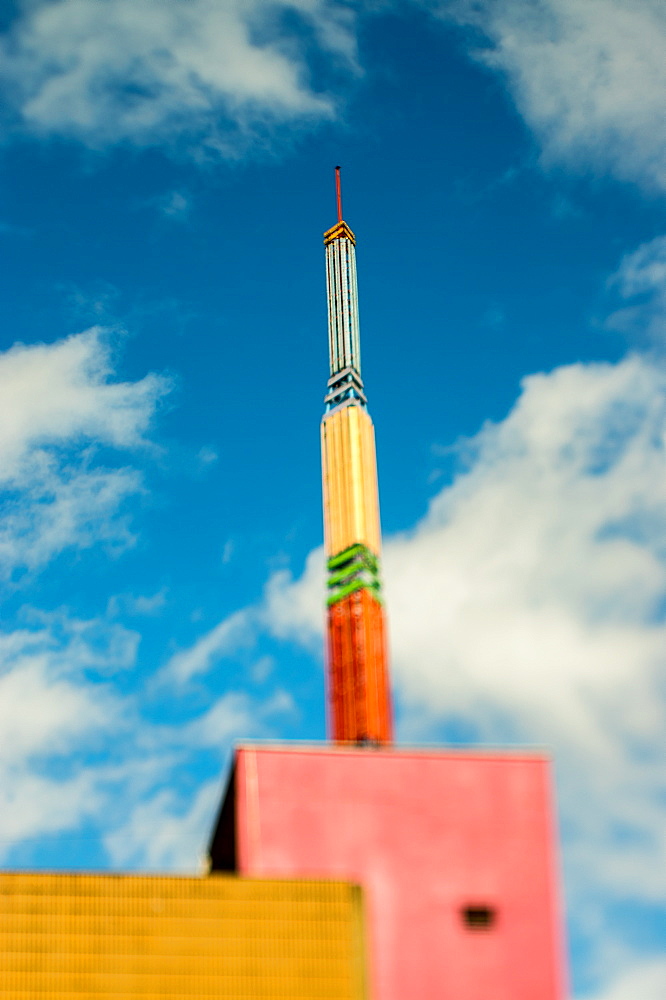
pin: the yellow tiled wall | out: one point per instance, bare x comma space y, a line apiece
74, 937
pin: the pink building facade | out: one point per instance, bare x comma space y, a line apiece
456, 852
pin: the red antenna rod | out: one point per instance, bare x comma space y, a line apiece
338, 193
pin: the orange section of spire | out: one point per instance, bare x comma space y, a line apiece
359, 700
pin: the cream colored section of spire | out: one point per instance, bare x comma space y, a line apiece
349, 467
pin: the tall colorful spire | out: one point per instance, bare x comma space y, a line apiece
358, 684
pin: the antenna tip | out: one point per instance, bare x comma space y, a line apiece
338, 193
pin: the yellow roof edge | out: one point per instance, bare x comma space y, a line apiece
339, 231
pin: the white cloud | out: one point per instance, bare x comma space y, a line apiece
34, 806
86, 753
220, 641
230, 715
588, 76
61, 713
164, 835
41, 668
62, 506
95, 645
176, 205
59, 392
207, 456
59, 405
165, 830
138, 605
145, 70
643, 982
554, 542
293, 608
641, 278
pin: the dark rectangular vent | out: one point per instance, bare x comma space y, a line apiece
478, 918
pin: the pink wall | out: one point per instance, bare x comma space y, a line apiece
426, 834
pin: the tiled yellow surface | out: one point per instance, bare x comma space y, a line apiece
72, 937
351, 505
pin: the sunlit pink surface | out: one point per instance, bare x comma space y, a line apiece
427, 834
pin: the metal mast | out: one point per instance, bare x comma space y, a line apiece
358, 688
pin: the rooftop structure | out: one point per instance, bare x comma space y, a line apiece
455, 850
358, 683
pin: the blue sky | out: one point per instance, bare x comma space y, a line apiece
166, 174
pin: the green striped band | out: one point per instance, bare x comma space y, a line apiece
357, 568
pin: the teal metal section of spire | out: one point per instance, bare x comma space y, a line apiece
345, 384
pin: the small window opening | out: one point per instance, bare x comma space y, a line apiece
478, 918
